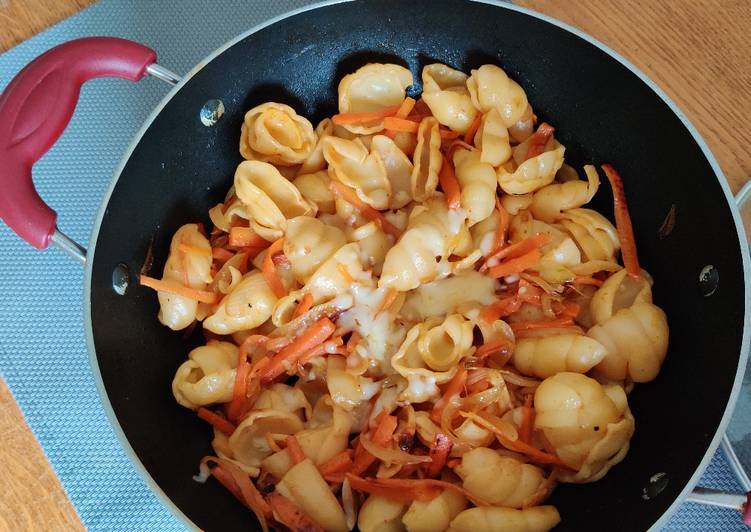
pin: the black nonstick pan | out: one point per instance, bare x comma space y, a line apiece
177, 167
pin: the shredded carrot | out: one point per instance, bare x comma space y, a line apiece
268, 269
491, 347
329, 347
342, 269
501, 308
243, 237
226, 480
529, 293
586, 279
388, 300
570, 309
337, 465
218, 422
241, 384
173, 287
303, 306
453, 462
290, 514
221, 254
347, 194
533, 242
287, 358
541, 324
294, 449
450, 185
406, 107
453, 388
499, 238
422, 110
539, 139
516, 265
195, 250
250, 494
474, 126
409, 489
623, 222
354, 339
369, 116
448, 134
439, 453
385, 429
393, 123
528, 417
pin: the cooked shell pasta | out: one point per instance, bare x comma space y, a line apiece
315, 189
351, 163
398, 170
191, 267
275, 133
478, 184
445, 93
492, 139
494, 519
491, 88
208, 375
380, 514
532, 174
436, 514
549, 202
246, 306
308, 244
269, 198
427, 160
545, 356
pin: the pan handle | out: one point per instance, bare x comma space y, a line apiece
35, 109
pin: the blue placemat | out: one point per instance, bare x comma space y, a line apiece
42, 350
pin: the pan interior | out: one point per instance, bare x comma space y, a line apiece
602, 113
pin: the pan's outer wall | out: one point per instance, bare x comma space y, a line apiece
602, 113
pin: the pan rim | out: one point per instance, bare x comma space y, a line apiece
719, 175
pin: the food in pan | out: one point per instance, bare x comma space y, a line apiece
413, 320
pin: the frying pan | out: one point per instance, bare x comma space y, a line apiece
604, 111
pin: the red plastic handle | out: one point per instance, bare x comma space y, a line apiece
36, 107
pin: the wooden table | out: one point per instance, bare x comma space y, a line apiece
698, 51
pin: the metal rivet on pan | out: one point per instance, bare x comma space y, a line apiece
709, 278
120, 279
654, 487
211, 112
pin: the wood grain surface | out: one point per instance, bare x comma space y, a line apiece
698, 51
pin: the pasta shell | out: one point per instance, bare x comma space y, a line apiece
335, 275
248, 305
192, 268
371, 88
446, 296
619, 291
308, 243
398, 170
315, 189
427, 160
315, 161
588, 425
268, 198
495, 519
329, 435
549, 202
593, 233
207, 377
478, 184
347, 391
443, 345
532, 174
275, 133
500, 480
490, 88
380, 514
515, 203
365, 172
492, 139
444, 90
283, 398
545, 356
248, 442
373, 244
436, 514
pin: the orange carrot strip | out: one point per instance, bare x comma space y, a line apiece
501, 308
570, 309
226, 480
528, 417
173, 287
303, 306
250, 494
448, 134
623, 222
337, 464
520, 248
422, 110
369, 116
347, 194
315, 334
195, 250
294, 449
474, 126
393, 123
290, 514
409, 489
499, 238
453, 388
388, 300
586, 279
354, 339
269, 270
242, 237
221, 254
516, 265
453, 462
385, 429
541, 324
218, 422
450, 185
529, 293
491, 347
242, 374
406, 107
439, 453
329, 347
539, 139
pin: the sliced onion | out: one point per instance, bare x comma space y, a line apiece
348, 504
519, 380
300, 324
391, 456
